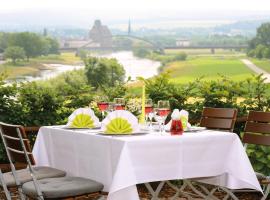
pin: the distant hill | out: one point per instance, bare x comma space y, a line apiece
243, 27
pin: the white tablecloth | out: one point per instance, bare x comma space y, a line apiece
122, 162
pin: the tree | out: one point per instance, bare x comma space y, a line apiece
263, 33
259, 51
3, 41
54, 45
261, 42
32, 43
266, 53
14, 53
103, 72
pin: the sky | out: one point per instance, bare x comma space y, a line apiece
81, 11
133, 6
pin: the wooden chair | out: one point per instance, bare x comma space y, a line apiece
257, 131
212, 118
219, 118
39, 182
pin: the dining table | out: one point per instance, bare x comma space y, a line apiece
120, 162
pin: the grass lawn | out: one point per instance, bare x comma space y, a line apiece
186, 71
263, 63
36, 64
63, 58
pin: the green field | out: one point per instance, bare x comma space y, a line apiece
33, 66
210, 67
206, 52
263, 64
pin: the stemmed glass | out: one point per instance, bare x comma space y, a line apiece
119, 104
103, 106
149, 111
163, 111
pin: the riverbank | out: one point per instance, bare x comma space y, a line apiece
35, 66
50, 66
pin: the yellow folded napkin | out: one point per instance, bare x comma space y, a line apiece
83, 118
120, 122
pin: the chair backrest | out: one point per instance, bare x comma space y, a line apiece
10, 133
18, 150
219, 118
257, 128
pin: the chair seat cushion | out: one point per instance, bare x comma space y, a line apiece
56, 188
260, 176
40, 173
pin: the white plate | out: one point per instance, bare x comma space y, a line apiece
74, 128
195, 129
127, 134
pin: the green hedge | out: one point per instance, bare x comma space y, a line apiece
51, 102
252, 94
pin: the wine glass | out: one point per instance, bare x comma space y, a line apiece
103, 106
158, 119
110, 107
148, 107
163, 111
119, 104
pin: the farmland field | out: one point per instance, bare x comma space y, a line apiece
206, 52
210, 67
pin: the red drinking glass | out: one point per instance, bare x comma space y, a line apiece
163, 112
103, 106
119, 104
119, 107
148, 109
176, 127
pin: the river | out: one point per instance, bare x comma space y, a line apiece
133, 66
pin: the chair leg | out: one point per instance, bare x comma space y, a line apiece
228, 192
152, 192
101, 198
7, 193
266, 192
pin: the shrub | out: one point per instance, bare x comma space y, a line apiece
259, 51
141, 52
53, 101
266, 53
251, 53
180, 56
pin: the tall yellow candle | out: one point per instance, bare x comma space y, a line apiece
142, 117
